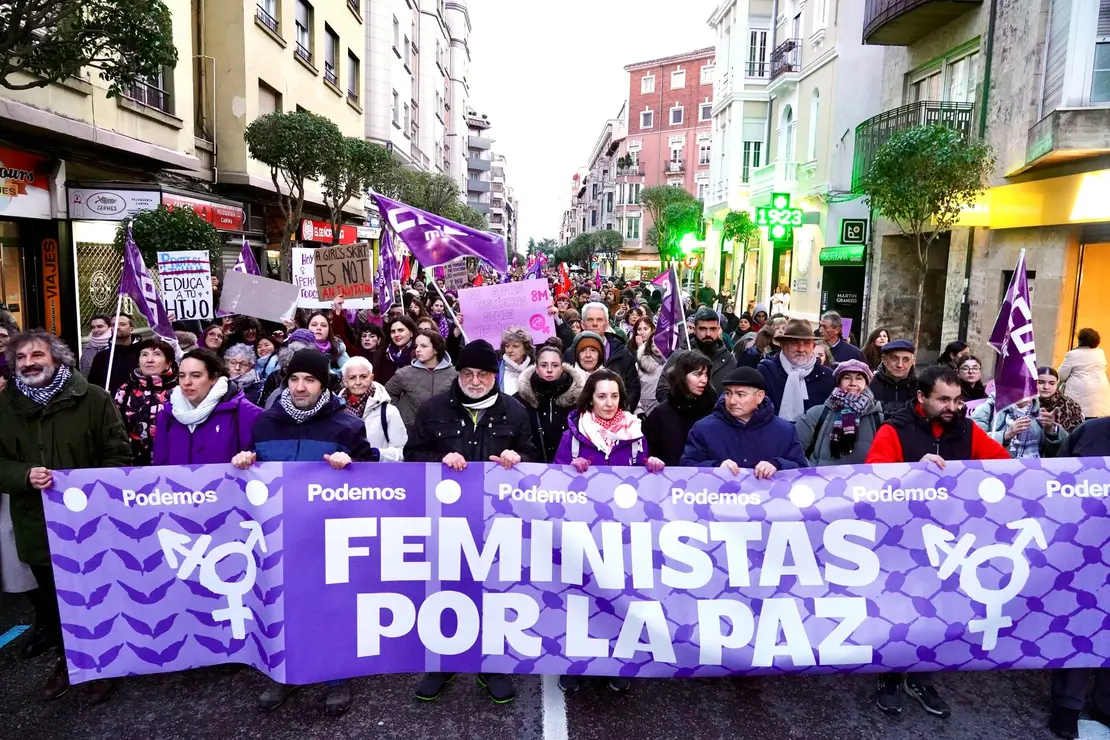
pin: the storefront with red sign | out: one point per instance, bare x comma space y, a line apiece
320, 231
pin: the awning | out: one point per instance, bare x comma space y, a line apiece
852, 254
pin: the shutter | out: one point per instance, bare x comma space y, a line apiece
1103, 19
1056, 54
267, 100
754, 128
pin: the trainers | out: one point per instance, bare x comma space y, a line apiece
570, 684
889, 696
499, 686
620, 684
928, 697
431, 686
338, 699
58, 683
274, 696
1064, 723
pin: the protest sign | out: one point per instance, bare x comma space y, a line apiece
406, 567
343, 272
186, 282
254, 295
455, 275
304, 277
489, 309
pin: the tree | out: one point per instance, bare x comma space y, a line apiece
296, 147
51, 40
467, 215
547, 246
674, 213
350, 171
168, 230
603, 245
921, 179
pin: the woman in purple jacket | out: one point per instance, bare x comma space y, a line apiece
206, 420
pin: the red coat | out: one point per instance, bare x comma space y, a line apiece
887, 448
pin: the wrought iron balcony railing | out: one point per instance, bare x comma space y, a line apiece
876, 131
787, 57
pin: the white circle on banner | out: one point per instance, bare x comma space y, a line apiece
257, 492
992, 490
625, 496
75, 499
802, 495
448, 491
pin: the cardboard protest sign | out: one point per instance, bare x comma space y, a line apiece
186, 282
304, 277
254, 295
489, 309
455, 275
343, 271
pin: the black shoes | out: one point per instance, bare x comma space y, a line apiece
338, 699
58, 683
928, 697
1064, 723
274, 696
432, 685
499, 686
38, 642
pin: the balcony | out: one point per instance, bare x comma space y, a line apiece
265, 18
329, 74
874, 132
419, 157
903, 22
303, 52
676, 166
777, 176
1065, 135
478, 142
150, 96
478, 164
633, 171
477, 186
786, 59
757, 70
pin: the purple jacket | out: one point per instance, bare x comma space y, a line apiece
627, 452
225, 433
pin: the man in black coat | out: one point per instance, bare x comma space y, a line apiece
595, 318
124, 362
895, 382
832, 328
706, 339
472, 422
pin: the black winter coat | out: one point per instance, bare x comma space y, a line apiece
892, 393
444, 425
619, 360
668, 426
724, 362
1089, 439
547, 415
124, 364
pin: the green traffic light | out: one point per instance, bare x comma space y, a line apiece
689, 243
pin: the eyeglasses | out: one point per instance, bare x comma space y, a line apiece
469, 375
236, 364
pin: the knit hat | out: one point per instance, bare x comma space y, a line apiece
853, 366
311, 361
589, 339
595, 296
759, 307
302, 335
478, 355
904, 345
746, 376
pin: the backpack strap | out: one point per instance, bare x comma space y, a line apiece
816, 430
385, 425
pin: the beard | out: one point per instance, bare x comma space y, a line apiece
37, 376
707, 346
476, 393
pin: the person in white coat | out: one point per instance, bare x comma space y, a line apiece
368, 400
1083, 375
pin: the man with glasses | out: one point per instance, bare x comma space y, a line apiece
474, 422
831, 329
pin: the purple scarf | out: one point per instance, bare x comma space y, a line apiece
441, 321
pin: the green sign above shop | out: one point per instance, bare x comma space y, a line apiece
846, 255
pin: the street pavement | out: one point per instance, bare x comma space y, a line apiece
219, 703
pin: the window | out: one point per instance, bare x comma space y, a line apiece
352, 76
814, 123
396, 36
647, 119
632, 227
609, 202
703, 190
703, 153
331, 55
635, 159
634, 193
303, 21
674, 181
952, 79
757, 53
676, 152
676, 115
822, 14
1100, 75
706, 112
408, 120
152, 92
961, 80
267, 13
751, 159
269, 99
593, 218
406, 50
707, 74
620, 193
678, 79
647, 84
396, 109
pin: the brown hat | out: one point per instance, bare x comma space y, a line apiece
797, 329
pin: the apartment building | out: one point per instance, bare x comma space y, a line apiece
575, 217
479, 161
501, 210
1029, 78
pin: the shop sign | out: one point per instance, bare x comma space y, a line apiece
111, 205
851, 254
779, 219
853, 231
24, 185
320, 231
51, 287
222, 216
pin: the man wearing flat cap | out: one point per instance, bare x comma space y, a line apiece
744, 432
796, 382
895, 383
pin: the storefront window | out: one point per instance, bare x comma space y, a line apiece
99, 268
11, 272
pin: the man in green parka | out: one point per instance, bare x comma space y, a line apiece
52, 419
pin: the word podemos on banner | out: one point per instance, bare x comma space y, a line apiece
613, 572
491, 308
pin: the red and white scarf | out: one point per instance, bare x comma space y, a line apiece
605, 434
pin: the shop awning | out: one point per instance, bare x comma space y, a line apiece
852, 254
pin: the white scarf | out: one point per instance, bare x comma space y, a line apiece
605, 439
193, 416
794, 395
510, 376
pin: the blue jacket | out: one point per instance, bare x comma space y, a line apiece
719, 437
819, 382
277, 438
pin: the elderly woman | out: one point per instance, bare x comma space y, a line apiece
240, 359
549, 391
396, 353
429, 374
1066, 411
840, 431
589, 351
1083, 373
369, 401
142, 396
517, 355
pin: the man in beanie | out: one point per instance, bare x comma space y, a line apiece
895, 383
707, 339
308, 424
840, 431
796, 382
474, 422
744, 432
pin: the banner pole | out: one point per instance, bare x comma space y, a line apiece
451, 311
112, 349
681, 309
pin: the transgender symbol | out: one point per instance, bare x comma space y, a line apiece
959, 556
175, 543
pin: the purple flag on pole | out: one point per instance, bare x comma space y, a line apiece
246, 262
387, 273
537, 265
671, 324
597, 276
434, 240
136, 284
1016, 375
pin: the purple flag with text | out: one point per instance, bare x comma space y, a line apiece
246, 262
387, 272
1016, 375
434, 240
136, 284
671, 324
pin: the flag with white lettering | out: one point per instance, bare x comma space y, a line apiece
246, 262
1016, 376
136, 284
671, 324
434, 240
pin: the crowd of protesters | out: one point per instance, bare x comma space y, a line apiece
759, 390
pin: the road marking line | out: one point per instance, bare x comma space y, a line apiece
13, 633
1091, 730
554, 710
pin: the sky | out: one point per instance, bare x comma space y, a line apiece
550, 74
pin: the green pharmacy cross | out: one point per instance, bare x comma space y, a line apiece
779, 218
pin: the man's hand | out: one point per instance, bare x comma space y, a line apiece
935, 459
244, 460
506, 459
1047, 419
730, 466
580, 464
337, 306
455, 461
1021, 425
655, 465
764, 470
338, 460
40, 478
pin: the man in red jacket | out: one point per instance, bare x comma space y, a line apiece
932, 429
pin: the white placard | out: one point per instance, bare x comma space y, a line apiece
186, 282
254, 295
304, 277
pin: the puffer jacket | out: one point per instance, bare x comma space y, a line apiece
668, 426
765, 437
412, 386
815, 429
1083, 375
547, 414
224, 434
140, 400
385, 429
276, 437
650, 363
444, 425
893, 393
574, 444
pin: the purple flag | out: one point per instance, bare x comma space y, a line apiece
246, 262
537, 266
434, 240
1015, 377
136, 284
597, 276
387, 273
671, 324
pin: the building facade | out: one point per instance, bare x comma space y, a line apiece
479, 161
502, 206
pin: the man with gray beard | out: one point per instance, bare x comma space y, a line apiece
53, 419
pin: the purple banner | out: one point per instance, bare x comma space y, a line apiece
1016, 375
434, 240
308, 574
671, 323
135, 283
